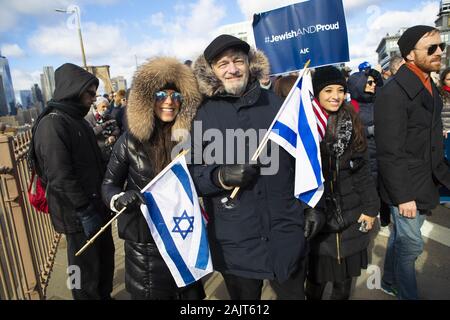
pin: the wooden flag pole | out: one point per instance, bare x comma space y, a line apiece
266, 136
90, 241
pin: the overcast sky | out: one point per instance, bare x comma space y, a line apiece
117, 33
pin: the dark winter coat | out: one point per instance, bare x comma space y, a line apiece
130, 168
350, 190
67, 153
263, 236
410, 142
356, 86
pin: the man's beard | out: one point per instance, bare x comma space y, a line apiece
427, 66
238, 87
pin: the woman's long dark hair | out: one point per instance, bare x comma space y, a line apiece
359, 143
160, 145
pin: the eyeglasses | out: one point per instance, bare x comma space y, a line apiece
432, 49
176, 97
371, 82
91, 93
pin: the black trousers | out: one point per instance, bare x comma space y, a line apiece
341, 290
240, 288
96, 266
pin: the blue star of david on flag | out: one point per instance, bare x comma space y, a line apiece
172, 209
177, 227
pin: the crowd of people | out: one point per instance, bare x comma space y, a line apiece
382, 154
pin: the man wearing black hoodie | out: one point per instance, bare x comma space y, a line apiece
68, 160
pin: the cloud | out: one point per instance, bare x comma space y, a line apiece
250, 7
23, 80
98, 40
202, 17
12, 50
12, 11
365, 38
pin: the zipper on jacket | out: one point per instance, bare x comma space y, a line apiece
338, 246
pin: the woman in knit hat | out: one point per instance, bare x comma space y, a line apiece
339, 251
163, 101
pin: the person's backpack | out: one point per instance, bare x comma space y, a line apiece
37, 193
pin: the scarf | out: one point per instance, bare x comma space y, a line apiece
426, 81
339, 132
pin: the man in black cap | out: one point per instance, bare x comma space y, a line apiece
261, 234
408, 134
66, 156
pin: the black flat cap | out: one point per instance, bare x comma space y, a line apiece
410, 37
222, 43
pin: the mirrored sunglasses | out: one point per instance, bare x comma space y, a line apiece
176, 97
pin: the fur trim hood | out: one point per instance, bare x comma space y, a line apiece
148, 79
210, 85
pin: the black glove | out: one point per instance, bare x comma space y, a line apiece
129, 199
237, 175
314, 221
90, 220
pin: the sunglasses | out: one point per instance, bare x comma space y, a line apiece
371, 82
176, 97
432, 49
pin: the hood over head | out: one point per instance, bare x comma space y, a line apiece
357, 85
211, 86
156, 74
71, 81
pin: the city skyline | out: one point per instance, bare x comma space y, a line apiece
123, 35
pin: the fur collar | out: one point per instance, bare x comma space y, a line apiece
210, 85
147, 80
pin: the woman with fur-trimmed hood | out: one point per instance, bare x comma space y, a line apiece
164, 98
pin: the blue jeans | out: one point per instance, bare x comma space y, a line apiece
405, 245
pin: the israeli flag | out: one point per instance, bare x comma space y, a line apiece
174, 217
295, 128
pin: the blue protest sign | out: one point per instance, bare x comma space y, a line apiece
292, 35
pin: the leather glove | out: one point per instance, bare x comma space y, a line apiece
337, 224
129, 199
237, 175
314, 222
90, 220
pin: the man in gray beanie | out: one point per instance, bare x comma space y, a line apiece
408, 135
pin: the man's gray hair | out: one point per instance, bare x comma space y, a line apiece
395, 63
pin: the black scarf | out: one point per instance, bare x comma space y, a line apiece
339, 132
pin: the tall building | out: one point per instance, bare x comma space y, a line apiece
119, 83
48, 83
26, 98
388, 46
443, 24
3, 105
36, 96
7, 85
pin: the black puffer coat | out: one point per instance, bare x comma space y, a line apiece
350, 188
146, 274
